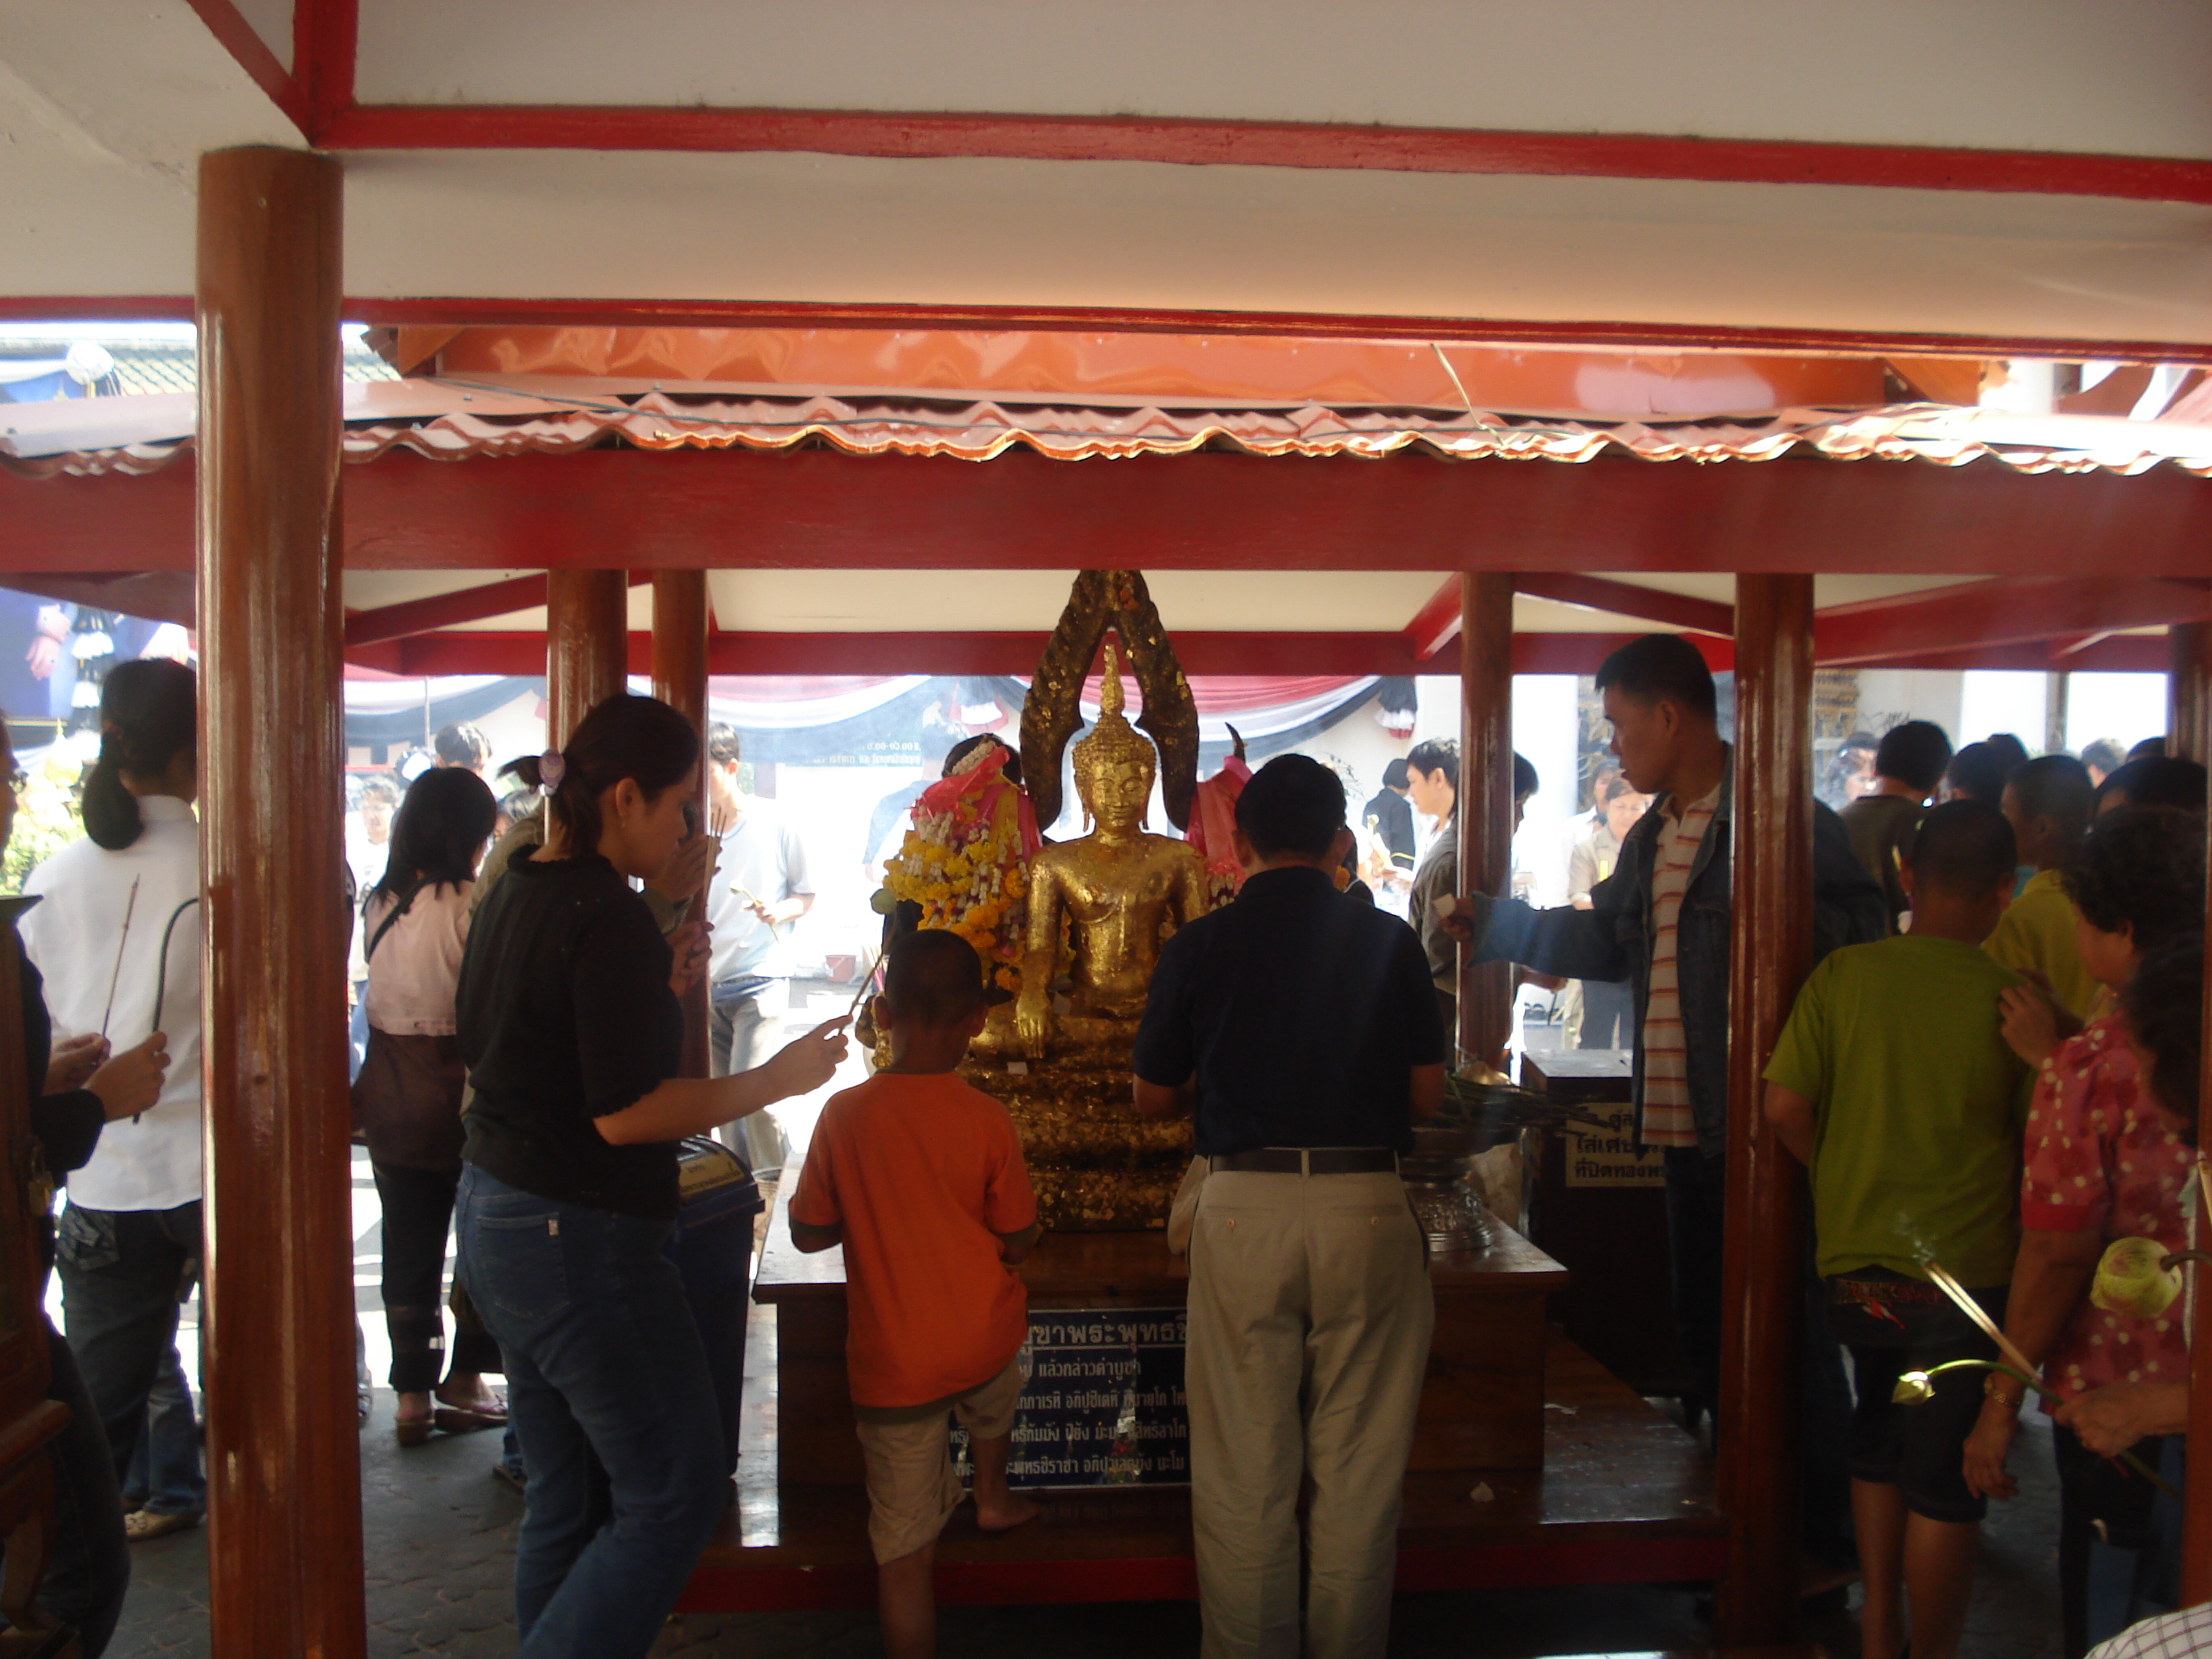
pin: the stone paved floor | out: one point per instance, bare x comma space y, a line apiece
439, 1537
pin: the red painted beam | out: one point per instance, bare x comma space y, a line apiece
159, 595
2000, 613
2122, 653
488, 651
325, 34
1303, 145
821, 509
1436, 625
410, 616
1649, 604
471, 310
237, 37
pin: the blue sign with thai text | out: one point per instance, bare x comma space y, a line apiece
1103, 1401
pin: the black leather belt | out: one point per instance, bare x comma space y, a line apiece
1324, 1160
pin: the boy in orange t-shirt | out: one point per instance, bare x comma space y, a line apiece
920, 1178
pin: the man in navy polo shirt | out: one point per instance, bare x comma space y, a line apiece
1298, 1028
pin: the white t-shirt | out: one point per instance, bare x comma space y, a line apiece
763, 856
76, 935
416, 970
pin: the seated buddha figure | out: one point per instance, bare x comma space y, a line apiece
1120, 891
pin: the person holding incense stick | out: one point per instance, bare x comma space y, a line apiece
117, 935
1892, 1084
2102, 1162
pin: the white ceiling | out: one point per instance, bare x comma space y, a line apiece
1142, 235
2026, 74
1029, 601
104, 109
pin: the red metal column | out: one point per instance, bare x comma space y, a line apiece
1486, 794
284, 1561
2189, 690
586, 645
1770, 952
680, 679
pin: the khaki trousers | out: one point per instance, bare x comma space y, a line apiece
1310, 1315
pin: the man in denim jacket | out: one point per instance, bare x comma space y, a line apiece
1671, 886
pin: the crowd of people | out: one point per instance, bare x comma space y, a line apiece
1990, 1076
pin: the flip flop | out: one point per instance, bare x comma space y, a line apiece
141, 1526
467, 1419
414, 1431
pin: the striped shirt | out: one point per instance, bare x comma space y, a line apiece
1668, 1118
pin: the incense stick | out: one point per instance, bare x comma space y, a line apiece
867, 978
1952, 1288
115, 978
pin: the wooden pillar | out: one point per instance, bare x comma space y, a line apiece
586, 645
680, 679
1770, 953
2189, 690
1485, 795
284, 1561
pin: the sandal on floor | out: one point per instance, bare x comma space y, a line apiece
141, 1526
414, 1431
467, 1419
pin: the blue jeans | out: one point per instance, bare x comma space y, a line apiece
608, 1387
123, 1273
88, 1569
165, 1475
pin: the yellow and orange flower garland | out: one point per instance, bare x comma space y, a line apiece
966, 862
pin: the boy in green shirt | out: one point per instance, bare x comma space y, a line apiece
2047, 802
1893, 1084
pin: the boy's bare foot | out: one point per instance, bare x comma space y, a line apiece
1006, 1513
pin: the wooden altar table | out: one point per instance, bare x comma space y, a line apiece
1610, 1491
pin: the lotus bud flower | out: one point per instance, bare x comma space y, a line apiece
2133, 1279
1912, 1389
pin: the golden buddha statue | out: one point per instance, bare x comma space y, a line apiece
1120, 891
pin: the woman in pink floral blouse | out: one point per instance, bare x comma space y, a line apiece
2104, 1161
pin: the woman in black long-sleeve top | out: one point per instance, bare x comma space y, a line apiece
571, 1029
74, 1092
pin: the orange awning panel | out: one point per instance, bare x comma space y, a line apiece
1159, 367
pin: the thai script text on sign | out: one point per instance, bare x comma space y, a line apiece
1103, 1401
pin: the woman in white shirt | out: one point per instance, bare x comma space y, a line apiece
407, 1100
116, 936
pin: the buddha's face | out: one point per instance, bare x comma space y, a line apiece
1116, 795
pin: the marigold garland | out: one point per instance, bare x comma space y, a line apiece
966, 867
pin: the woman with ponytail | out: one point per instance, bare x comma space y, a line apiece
117, 935
570, 1026
407, 1100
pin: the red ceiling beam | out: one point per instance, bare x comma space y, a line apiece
1649, 604
237, 37
1301, 144
1435, 624
1199, 651
822, 509
410, 616
157, 595
470, 310
2002, 613
2120, 654
325, 36
1213, 653
466, 605
475, 311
